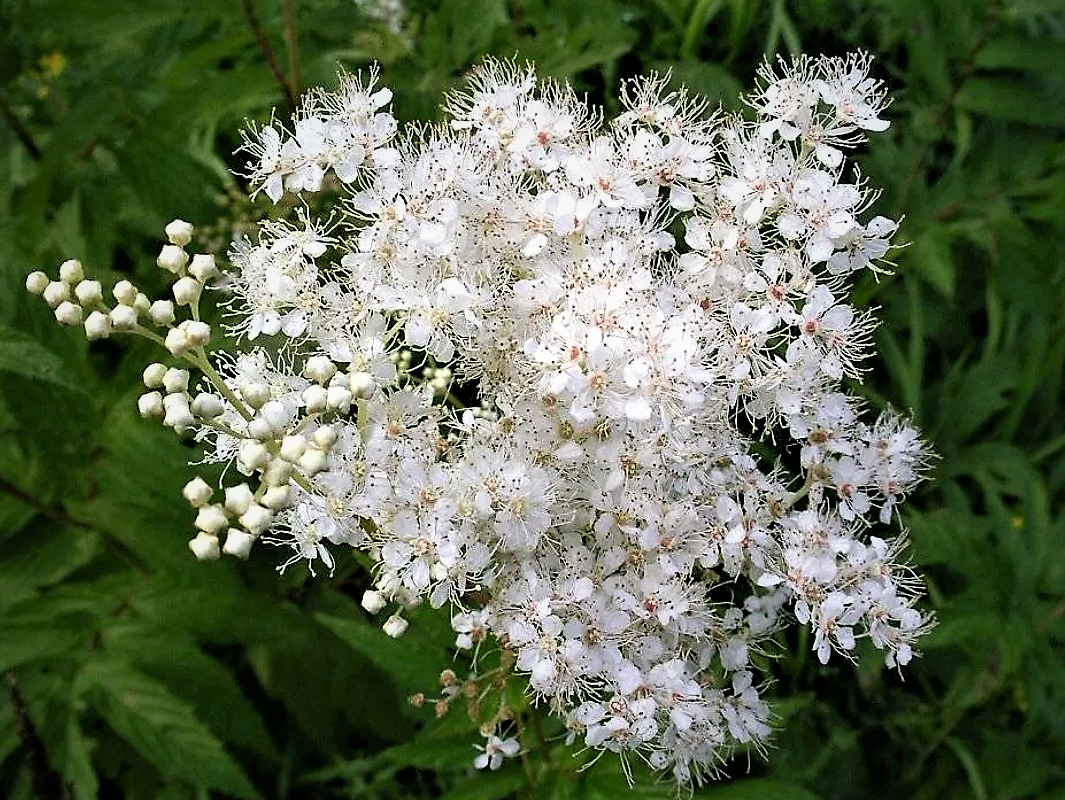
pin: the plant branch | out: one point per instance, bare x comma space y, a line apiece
19, 129
268, 51
292, 46
45, 782
54, 514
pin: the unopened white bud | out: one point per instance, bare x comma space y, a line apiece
438, 572
173, 259
179, 232
319, 368
278, 473
89, 293
292, 447
256, 519
198, 492
150, 405
252, 456
176, 380
161, 312
388, 584
70, 271
207, 405
255, 394
261, 429
338, 398
211, 518
97, 325
197, 333
177, 415
176, 341
68, 314
203, 267
395, 626
123, 317
125, 293
373, 601
276, 497
325, 437
141, 303
153, 375
186, 291
205, 547
239, 498
315, 398
238, 543
362, 385
313, 461
56, 292
36, 282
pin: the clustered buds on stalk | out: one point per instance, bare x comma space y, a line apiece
627, 310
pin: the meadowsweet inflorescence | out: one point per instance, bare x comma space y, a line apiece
524, 364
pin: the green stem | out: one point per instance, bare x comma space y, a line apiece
292, 46
704, 11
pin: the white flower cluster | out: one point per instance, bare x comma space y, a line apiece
648, 320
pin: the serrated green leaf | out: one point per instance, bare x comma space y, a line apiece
757, 789
37, 634
77, 768
41, 555
162, 728
1013, 99
23, 355
490, 785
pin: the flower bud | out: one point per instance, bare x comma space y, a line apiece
198, 492
255, 394
203, 267
292, 447
362, 385
207, 405
176, 380
204, 547
373, 601
338, 399
252, 456
150, 404
197, 333
239, 498
176, 341
123, 317
278, 473
261, 429
36, 282
315, 398
179, 232
313, 461
186, 291
319, 369
238, 543
325, 437
89, 293
161, 312
177, 414
395, 626
141, 303
55, 293
125, 293
256, 519
173, 259
153, 375
276, 497
70, 271
68, 314
97, 326
211, 518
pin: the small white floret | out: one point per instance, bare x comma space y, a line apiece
66, 313
238, 543
179, 232
395, 626
373, 601
70, 271
205, 547
97, 325
36, 282
161, 312
89, 293
198, 492
173, 259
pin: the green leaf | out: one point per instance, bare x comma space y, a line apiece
41, 555
758, 789
23, 355
1014, 100
38, 633
162, 728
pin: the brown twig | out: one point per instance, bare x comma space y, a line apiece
45, 782
19, 129
268, 51
54, 514
292, 46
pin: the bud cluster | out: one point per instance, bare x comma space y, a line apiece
635, 315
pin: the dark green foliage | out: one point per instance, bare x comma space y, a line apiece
147, 675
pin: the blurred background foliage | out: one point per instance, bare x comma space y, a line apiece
145, 675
